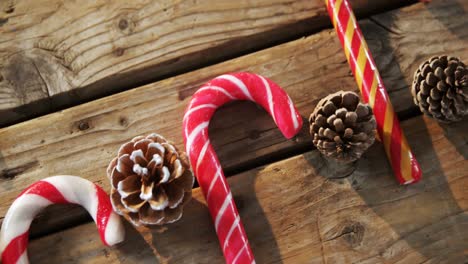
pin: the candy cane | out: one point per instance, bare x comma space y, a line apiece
370, 84
205, 163
56, 190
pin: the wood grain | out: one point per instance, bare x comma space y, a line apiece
82, 140
294, 212
56, 53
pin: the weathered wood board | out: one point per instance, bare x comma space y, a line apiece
83, 139
293, 213
55, 53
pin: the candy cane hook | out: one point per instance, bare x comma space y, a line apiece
205, 163
56, 190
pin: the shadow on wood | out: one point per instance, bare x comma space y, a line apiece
444, 13
421, 215
423, 221
457, 133
262, 239
378, 221
202, 233
134, 249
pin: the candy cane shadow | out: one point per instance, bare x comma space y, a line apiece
248, 150
257, 225
193, 238
425, 216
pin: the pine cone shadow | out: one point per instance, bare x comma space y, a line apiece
134, 249
180, 242
192, 234
457, 133
328, 167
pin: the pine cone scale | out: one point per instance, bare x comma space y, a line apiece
146, 191
117, 202
129, 185
176, 195
186, 181
132, 202
116, 177
125, 148
159, 199
138, 159
125, 164
172, 215
148, 216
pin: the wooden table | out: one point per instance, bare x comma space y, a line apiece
77, 79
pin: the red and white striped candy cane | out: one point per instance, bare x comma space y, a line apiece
404, 163
205, 163
56, 190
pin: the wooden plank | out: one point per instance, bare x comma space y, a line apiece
82, 140
56, 53
294, 213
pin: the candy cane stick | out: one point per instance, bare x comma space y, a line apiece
370, 84
56, 190
217, 92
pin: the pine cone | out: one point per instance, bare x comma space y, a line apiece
440, 88
151, 181
342, 127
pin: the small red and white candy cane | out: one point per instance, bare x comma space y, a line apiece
205, 163
61, 189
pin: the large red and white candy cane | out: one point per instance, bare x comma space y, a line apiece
205, 163
56, 190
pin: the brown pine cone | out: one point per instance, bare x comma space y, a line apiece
151, 181
440, 88
342, 127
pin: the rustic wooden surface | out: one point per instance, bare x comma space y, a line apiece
83, 139
294, 213
55, 53
364, 218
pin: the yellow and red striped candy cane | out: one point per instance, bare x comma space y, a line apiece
370, 84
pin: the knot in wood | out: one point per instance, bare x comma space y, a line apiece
123, 121
9, 9
83, 125
119, 52
353, 233
348, 231
123, 24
